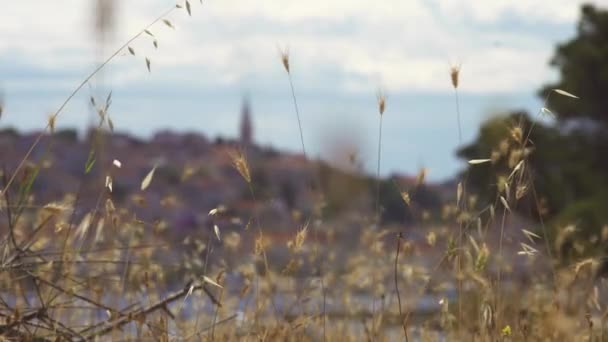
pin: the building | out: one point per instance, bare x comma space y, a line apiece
246, 137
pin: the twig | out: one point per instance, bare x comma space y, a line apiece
25, 246
54, 323
26, 318
70, 293
130, 316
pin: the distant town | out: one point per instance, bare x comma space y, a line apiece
194, 175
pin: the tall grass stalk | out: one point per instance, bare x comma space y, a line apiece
522, 145
241, 164
381, 99
498, 284
396, 277
533, 187
381, 107
205, 264
287, 67
536, 201
455, 77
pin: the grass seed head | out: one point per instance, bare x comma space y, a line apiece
260, 245
517, 134
381, 102
285, 59
301, 237
406, 198
239, 161
455, 75
421, 176
52, 118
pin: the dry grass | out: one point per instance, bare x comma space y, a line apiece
107, 275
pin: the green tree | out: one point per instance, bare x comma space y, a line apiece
559, 171
582, 63
567, 164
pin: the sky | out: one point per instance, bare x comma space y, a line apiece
342, 52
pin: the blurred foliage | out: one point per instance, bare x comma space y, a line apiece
582, 64
288, 194
169, 174
560, 165
68, 134
11, 132
394, 208
342, 190
567, 165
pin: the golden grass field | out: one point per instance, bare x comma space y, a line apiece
101, 273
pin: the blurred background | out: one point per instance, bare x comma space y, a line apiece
200, 110
342, 52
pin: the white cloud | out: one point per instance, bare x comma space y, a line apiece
401, 45
342, 51
534, 10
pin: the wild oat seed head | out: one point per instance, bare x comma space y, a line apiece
421, 176
406, 197
381, 102
301, 237
145, 183
52, 123
240, 164
285, 59
259, 245
517, 134
454, 75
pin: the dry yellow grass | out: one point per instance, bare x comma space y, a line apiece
112, 276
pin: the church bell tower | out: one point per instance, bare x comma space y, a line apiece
246, 126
